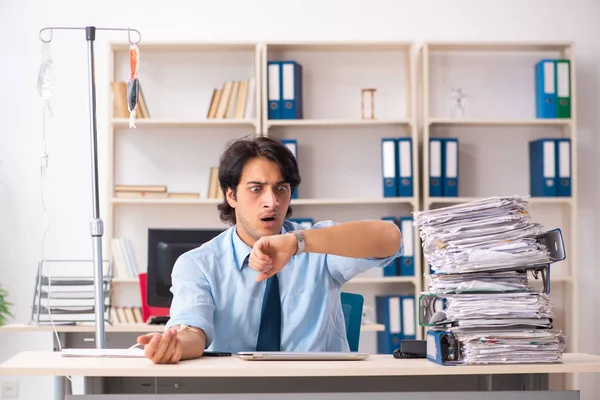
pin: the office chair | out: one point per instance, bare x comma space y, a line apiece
352, 307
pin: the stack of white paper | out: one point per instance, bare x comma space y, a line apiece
489, 234
500, 309
501, 281
495, 315
511, 346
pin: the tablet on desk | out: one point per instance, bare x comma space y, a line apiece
301, 356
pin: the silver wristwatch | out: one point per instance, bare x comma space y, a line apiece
299, 239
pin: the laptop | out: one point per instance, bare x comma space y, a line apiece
301, 356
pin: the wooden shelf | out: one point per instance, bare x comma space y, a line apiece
297, 202
349, 201
334, 122
180, 123
167, 201
126, 280
341, 46
177, 47
498, 46
501, 122
532, 200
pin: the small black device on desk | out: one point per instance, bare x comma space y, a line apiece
410, 348
158, 320
216, 354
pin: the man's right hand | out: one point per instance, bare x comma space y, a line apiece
162, 348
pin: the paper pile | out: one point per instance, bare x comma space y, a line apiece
479, 253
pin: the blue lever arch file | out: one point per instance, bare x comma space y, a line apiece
274, 90
405, 174
388, 310
435, 167
291, 90
407, 260
409, 319
542, 167
394, 268
563, 167
292, 144
450, 170
389, 167
545, 89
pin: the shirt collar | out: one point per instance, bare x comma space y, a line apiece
241, 250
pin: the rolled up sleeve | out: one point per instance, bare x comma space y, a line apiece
342, 269
192, 303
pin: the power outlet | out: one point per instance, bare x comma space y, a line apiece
10, 390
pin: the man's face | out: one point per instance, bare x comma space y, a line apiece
261, 201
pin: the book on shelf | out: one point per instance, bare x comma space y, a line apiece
140, 188
234, 100
126, 315
121, 110
153, 195
214, 188
151, 191
124, 265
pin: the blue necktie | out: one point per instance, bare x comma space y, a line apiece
269, 333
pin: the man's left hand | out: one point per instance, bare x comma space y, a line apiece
271, 253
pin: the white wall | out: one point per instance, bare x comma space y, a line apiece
68, 188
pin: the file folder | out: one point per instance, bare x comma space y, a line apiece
441, 348
450, 170
542, 167
388, 312
435, 167
394, 268
291, 92
389, 167
405, 175
292, 144
563, 89
407, 260
274, 89
409, 328
545, 89
563, 167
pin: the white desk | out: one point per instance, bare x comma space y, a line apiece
117, 336
379, 373
51, 363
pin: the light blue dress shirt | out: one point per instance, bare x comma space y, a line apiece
214, 289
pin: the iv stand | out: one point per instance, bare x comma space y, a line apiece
96, 225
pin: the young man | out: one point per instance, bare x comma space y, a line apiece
266, 283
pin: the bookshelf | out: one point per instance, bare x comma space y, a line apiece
493, 135
339, 153
177, 143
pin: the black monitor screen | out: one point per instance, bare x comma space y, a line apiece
164, 247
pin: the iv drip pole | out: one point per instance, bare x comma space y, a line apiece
96, 226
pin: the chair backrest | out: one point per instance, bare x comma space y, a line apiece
352, 307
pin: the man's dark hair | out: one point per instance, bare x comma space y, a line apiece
241, 151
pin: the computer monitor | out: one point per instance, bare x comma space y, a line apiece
164, 248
